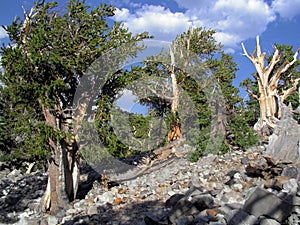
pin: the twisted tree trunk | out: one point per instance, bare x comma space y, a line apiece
270, 100
63, 171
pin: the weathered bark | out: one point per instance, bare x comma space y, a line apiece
269, 98
63, 171
175, 129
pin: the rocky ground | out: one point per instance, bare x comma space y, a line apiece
241, 187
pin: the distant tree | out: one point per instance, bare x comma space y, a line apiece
159, 94
277, 80
43, 65
201, 43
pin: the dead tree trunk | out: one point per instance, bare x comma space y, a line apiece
270, 100
175, 129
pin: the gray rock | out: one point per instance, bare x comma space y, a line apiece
12, 199
240, 217
202, 218
296, 201
217, 223
151, 220
293, 219
291, 171
264, 203
227, 208
296, 209
52, 220
195, 181
180, 209
245, 160
202, 202
291, 186
185, 220
266, 221
71, 211
172, 201
284, 142
92, 209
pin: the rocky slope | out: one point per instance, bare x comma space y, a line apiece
236, 188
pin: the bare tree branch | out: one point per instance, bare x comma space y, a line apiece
288, 92
251, 93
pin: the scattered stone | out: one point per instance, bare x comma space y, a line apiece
217, 190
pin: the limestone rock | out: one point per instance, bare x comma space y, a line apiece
284, 143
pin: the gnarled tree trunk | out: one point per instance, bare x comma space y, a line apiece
63, 171
270, 100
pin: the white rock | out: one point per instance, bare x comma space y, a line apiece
52, 220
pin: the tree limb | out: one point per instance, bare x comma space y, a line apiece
251, 93
275, 79
288, 92
274, 61
246, 53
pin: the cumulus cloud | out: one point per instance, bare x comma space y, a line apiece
3, 33
234, 21
157, 20
286, 9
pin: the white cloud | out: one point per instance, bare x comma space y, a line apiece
3, 33
122, 15
235, 21
157, 20
287, 9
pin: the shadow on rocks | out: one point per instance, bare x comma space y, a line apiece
86, 184
133, 214
20, 192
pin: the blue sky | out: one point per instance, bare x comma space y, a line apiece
236, 21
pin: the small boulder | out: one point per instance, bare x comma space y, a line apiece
264, 203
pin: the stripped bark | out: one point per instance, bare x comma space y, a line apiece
270, 100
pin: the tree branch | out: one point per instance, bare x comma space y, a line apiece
251, 93
246, 53
258, 61
274, 61
288, 92
275, 79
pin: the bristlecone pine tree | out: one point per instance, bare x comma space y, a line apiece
276, 82
50, 52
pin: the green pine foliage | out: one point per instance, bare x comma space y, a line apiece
43, 63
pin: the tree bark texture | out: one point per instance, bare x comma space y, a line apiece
63, 171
